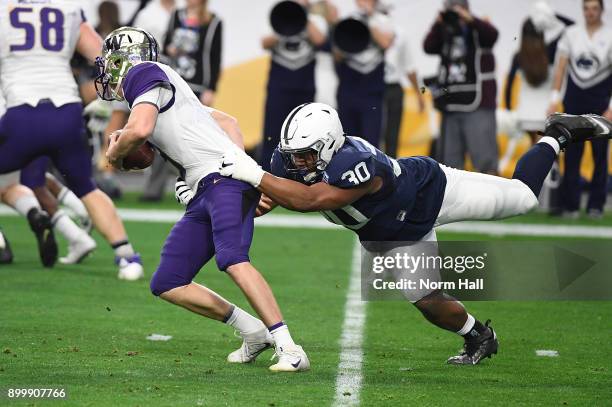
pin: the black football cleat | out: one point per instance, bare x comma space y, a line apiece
474, 351
6, 254
567, 128
40, 223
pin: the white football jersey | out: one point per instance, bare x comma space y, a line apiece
37, 41
590, 58
186, 133
2, 104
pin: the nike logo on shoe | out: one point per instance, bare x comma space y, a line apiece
216, 180
296, 364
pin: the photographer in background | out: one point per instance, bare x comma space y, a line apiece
362, 76
291, 79
194, 43
399, 70
467, 90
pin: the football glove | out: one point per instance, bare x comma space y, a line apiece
99, 113
238, 165
182, 192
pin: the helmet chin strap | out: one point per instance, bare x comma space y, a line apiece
311, 176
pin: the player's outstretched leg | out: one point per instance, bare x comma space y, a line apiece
6, 254
203, 301
107, 221
68, 199
80, 244
291, 357
447, 313
561, 130
23, 201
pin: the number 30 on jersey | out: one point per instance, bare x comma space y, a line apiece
357, 176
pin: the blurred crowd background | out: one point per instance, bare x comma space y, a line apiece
467, 82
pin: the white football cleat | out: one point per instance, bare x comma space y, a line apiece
79, 250
290, 359
252, 345
130, 268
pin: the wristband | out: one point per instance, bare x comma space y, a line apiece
555, 97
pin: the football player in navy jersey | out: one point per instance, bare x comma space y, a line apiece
316, 167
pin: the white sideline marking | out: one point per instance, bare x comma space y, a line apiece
349, 376
317, 222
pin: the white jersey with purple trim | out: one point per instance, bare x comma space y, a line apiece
186, 133
37, 41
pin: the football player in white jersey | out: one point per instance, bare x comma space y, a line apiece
219, 219
43, 117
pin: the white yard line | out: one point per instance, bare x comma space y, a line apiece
349, 378
318, 222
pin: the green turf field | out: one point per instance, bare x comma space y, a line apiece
80, 328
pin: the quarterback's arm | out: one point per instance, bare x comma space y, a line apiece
139, 127
90, 43
318, 197
229, 125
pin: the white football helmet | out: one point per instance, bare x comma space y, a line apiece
311, 127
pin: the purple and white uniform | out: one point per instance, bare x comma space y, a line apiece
219, 219
43, 117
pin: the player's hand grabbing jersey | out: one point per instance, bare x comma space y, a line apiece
406, 206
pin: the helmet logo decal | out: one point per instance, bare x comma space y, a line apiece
290, 119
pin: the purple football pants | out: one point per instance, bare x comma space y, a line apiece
218, 221
27, 133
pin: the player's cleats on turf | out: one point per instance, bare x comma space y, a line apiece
6, 254
253, 345
567, 128
130, 268
290, 359
40, 223
86, 224
78, 250
475, 350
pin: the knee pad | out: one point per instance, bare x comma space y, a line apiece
227, 258
33, 175
530, 202
526, 199
80, 185
166, 281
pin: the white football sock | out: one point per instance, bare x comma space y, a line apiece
244, 322
282, 337
24, 204
551, 141
123, 249
66, 227
67, 198
467, 327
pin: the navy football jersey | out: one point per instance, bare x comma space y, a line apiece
404, 209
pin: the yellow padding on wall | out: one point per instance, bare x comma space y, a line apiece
242, 93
